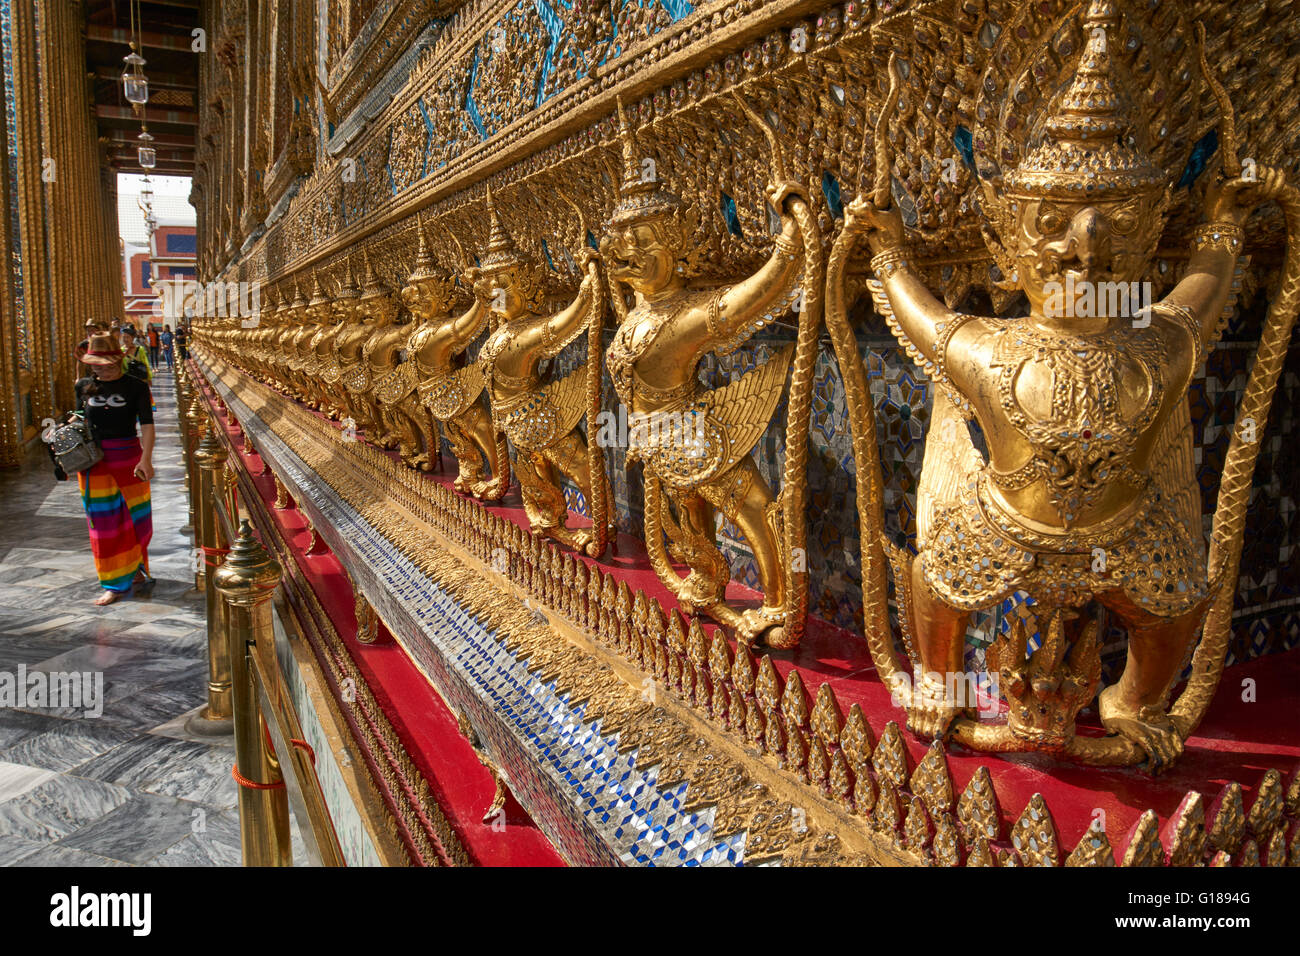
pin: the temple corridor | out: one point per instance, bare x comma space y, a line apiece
130, 787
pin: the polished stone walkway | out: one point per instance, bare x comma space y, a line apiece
130, 786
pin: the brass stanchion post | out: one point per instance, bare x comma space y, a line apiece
246, 582
210, 460
196, 419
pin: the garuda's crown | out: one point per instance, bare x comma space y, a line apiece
318, 296
501, 252
373, 285
641, 197
348, 285
425, 266
1088, 151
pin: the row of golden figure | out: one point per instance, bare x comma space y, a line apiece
1087, 496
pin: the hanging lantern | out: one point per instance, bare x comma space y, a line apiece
145, 152
146, 193
134, 85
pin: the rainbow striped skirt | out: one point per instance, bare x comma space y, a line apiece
118, 513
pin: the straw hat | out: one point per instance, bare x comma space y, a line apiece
102, 350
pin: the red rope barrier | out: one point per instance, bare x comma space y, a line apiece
305, 746
253, 784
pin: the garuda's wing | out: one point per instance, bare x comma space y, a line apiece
950, 460
450, 396
1174, 470
744, 407
568, 397
391, 387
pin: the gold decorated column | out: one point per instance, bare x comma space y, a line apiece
246, 582
31, 205
11, 429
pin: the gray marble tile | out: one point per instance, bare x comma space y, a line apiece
10, 575
67, 746
58, 807
49, 579
213, 842
54, 855
69, 560
89, 657
138, 610
14, 848
155, 704
54, 641
191, 644
153, 668
108, 787
17, 725
207, 780
16, 778
32, 655
143, 761
138, 830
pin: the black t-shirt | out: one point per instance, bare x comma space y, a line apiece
180, 336
112, 408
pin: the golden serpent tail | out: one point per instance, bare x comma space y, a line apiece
654, 539
1238, 474
862, 427
599, 504
799, 422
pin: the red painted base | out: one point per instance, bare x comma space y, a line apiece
459, 782
1229, 746
1237, 741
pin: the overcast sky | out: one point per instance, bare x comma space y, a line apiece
171, 204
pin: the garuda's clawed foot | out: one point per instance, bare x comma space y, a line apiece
765, 625
1148, 727
931, 711
493, 489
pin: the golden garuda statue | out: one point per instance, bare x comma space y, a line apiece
440, 385
392, 380
374, 309
696, 444
252, 342
1087, 497
300, 362
537, 412
279, 345
321, 367
334, 319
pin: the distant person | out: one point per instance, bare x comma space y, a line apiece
92, 326
115, 491
135, 355
166, 339
155, 344
182, 340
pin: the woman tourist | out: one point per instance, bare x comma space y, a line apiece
116, 490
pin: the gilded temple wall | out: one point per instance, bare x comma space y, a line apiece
412, 108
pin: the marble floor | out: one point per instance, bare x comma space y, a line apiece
128, 787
